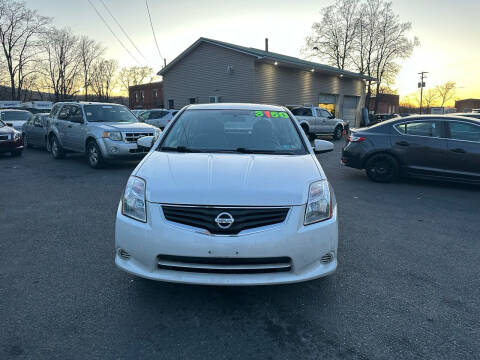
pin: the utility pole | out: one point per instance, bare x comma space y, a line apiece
421, 85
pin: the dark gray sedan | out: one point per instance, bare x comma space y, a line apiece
34, 131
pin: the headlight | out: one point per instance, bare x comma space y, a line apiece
113, 135
133, 201
17, 136
319, 206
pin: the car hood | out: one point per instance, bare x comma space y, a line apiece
228, 179
6, 130
17, 124
121, 126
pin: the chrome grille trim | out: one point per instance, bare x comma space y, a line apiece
132, 137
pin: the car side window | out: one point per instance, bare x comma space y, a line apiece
144, 115
323, 113
75, 114
302, 112
464, 131
54, 110
421, 128
37, 121
63, 114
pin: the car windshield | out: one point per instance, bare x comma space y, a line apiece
15, 115
241, 131
109, 113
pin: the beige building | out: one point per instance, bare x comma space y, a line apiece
215, 71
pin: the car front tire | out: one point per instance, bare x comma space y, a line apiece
94, 155
337, 134
56, 148
382, 168
16, 153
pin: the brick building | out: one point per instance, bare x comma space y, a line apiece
388, 104
467, 105
146, 96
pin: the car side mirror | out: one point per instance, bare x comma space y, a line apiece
322, 146
146, 141
331, 117
9, 124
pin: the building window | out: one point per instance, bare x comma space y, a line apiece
214, 99
155, 93
143, 95
192, 101
136, 97
171, 104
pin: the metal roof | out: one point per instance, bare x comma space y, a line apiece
283, 60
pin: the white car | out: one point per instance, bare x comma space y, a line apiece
229, 194
157, 117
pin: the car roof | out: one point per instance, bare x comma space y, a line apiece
236, 106
86, 103
20, 110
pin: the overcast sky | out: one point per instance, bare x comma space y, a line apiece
449, 31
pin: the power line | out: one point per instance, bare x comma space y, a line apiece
124, 32
153, 31
113, 33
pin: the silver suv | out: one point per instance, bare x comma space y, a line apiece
101, 131
317, 121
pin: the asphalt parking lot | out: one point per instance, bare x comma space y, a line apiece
407, 286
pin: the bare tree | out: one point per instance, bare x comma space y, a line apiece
89, 51
19, 31
135, 75
333, 38
393, 45
104, 78
446, 92
429, 98
62, 63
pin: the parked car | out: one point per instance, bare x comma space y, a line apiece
10, 140
157, 117
35, 131
429, 146
376, 118
231, 194
317, 121
102, 131
470, 115
15, 118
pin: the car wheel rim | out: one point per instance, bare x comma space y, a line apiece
381, 168
93, 155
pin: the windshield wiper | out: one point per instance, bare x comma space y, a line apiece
258, 151
182, 149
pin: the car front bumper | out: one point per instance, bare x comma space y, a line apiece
121, 150
304, 245
9, 146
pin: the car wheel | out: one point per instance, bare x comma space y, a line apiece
382, 168
95, 158
56, 148
337, 134
17, 153
310, 137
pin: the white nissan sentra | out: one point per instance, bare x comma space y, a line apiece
230, 194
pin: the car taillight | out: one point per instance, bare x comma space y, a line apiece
353, 138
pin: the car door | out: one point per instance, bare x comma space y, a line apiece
76, 130
327, 125
36, 131
27, 131
61, 123
421, 146
463, 149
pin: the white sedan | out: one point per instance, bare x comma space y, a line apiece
230, 194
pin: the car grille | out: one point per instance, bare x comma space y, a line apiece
134, 136
4, 137
217, 265
243, 218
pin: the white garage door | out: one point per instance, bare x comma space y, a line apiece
349, 112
